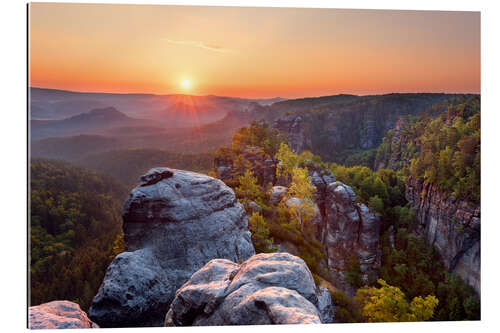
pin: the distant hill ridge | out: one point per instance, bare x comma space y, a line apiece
108, 113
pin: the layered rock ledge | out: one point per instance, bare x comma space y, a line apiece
274, 288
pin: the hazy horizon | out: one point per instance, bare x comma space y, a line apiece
257, 97
251, 52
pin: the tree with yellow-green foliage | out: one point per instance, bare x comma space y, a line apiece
301, 186
301, 189
248, 188
299, 199
389, 304
288, 161
260, 233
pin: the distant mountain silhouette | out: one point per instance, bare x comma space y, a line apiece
56, 104
89, 122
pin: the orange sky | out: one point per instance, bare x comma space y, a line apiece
252, 52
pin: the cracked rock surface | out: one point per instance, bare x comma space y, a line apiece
268, 288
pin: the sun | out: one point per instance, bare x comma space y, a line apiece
186, 84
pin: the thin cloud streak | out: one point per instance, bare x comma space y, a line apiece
199, 44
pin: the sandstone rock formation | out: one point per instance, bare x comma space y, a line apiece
342, 225
274, 288
174, 222
58, 314
320, 178
325, 305
277, 193
350, 229
294, 127
452, 226
345, 228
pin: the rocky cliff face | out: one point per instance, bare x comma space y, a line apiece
275, 288
350, 229
58, 314
452, 226
296, 131
331, 133
394, 155
335, 126
174, 222
345, 228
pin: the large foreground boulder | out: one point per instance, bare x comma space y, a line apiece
174, 222
275, 288
58, 314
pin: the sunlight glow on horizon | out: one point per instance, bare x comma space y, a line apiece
186, 84
290, 52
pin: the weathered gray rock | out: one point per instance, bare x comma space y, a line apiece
296, 130
452, 226
277, 193
351, 229
274, 288
58, 314
174, 222
320, 178
325, 305
342, 225
254, 207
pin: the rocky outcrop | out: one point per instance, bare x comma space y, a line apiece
342, 225
174, 222
274, 288
294, 127
350, 229
262, 166
452, 226
325, 305
277, 194
58, 314
320, 178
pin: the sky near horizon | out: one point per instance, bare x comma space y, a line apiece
251, 52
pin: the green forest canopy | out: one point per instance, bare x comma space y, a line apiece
75, 225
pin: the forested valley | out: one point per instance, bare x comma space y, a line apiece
76, 206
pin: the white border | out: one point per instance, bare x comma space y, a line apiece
13, 164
